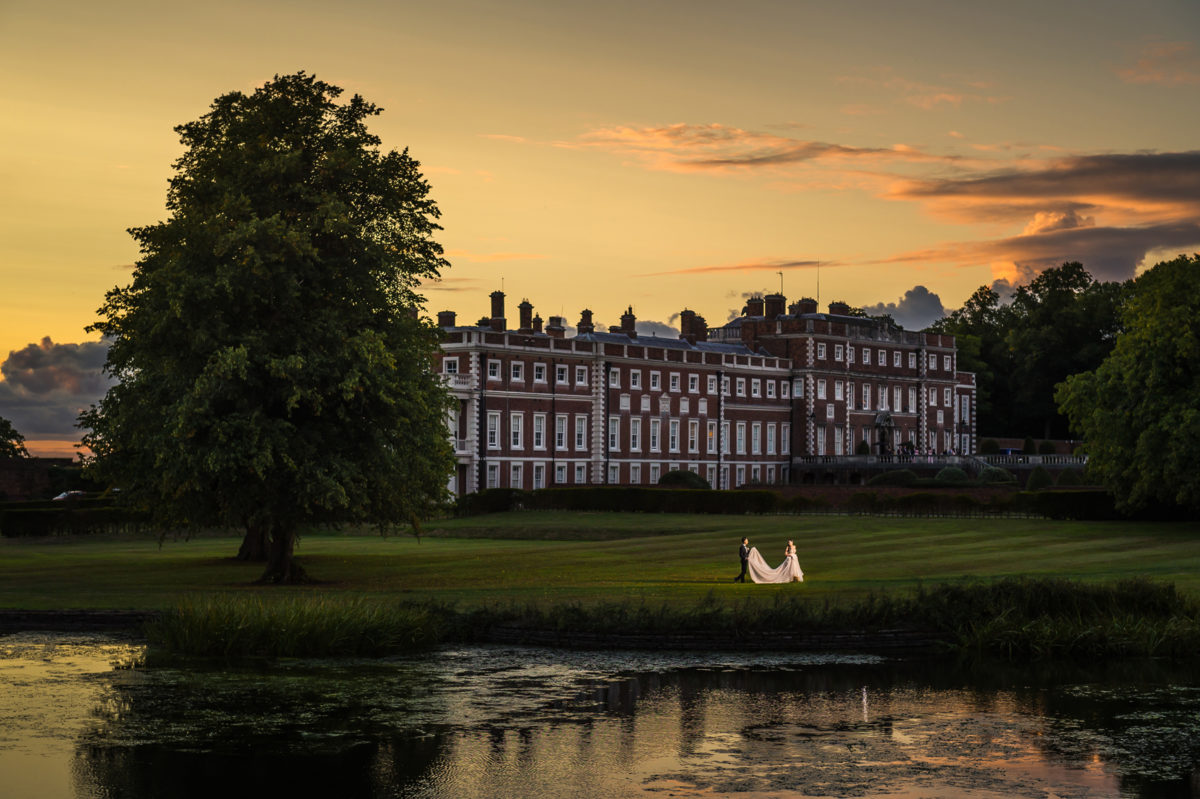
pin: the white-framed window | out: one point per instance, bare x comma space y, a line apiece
712, 384
741, 475
771, 475
725, 386
539, 475
450, 366
712, 437
673, 435
821, 351
771, 431
614, 433
581, 377
674, 382
623, 402
933, 396
655, 381
896, 398
784, 388
684, 405
635, 434
896, 357
839, 389
946, 397
645, 404
883, 398
838, 352
710, 472
756, 388
703, 409
866, 356
580, 474
941, 417
912, 360
829, 411
655, 473
849, 354
560, 473
614, 378
580, 431
770, 389
635, 378
725, 443
820, 436
756, 438
964, 409
655, 435
741, 438
560, 374
493, 430
946, 362
515, 422
932, 362
882, 358
785, 438
539, 373
912, 399
838, 440
515, 477
494, 374
493, 475
821, 388
849, 395
517, 371
560, 431
755, 472
539, 431
694, 384
693, 435
866, 396
741, 386
614, 474
635, 473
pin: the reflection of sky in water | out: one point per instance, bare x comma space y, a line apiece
510, 722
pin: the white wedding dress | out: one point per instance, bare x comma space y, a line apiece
760, 572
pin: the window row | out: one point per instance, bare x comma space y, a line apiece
845, 352
627, 474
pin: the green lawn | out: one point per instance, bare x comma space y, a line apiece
553, 557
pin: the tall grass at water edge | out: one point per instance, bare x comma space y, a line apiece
1013, 618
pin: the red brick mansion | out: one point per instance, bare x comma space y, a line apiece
736, 404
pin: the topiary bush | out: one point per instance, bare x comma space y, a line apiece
863, 448
1047, 448
1070, 477
682, 478
996, 474
1039, 478
952, 475
1029, 447
894, 477
989, 447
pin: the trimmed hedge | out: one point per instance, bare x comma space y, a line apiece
638, 499
1038, 479
952, 475
894, 477
683, 478
996, 474
73, 517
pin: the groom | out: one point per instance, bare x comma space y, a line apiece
744, 554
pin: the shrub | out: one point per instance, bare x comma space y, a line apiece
863, 448
952, 475
894, 477
682, 478
1047, 448
996, 474
1081, 505
1039, 478
1070, 477
989, 447
1029, 448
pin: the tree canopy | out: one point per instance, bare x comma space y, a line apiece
1139, 411
272, 365
12, 443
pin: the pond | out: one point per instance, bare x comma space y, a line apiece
79, 718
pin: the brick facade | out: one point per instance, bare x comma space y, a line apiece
733, 404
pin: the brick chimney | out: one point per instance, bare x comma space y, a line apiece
754, 306
446, 318
537, 324
776, 305
699, 329
839, 308
498, 322
525, 314
585, 322
629, 322
687, 326
557, 327
806, 305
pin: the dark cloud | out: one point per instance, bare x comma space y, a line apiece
651, 328
47, 385
776, 265
916, 310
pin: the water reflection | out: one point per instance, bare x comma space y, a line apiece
508, 722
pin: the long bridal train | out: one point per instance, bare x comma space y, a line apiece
788, 571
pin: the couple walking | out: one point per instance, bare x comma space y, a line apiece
754, 565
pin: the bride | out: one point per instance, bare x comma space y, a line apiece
788, 571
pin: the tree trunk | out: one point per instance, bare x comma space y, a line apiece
254, 543
282, 568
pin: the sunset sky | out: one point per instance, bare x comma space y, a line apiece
664, 155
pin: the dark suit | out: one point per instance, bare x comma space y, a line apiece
744, 554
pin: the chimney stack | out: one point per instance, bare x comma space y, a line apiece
629, 323
585, 322
446, 318
699, 329
537, 324
806, 305
498, 322
525, 314
557, 327
839, 308
776, 305
754, 306
687, 325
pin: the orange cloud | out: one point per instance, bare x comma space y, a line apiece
748, 266
1164, 63
926, 96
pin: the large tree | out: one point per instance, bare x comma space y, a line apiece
12, 443
1139, 411
272, 366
